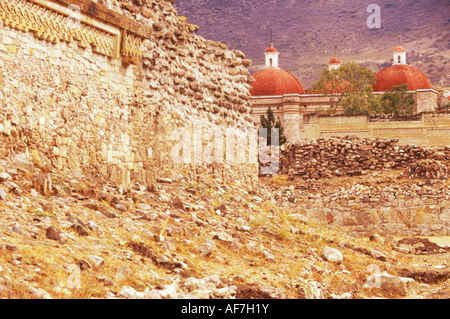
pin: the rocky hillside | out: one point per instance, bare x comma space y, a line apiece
67, 236
307, 32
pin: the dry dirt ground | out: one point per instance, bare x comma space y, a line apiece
66, 237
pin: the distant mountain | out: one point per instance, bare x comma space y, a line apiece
306, 32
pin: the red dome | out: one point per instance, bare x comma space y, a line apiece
275, 81
401, 74
334, 60
271, 49
399, 49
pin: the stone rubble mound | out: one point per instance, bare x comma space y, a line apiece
430, 169
354, 156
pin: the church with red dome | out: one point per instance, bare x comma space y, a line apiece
401, 73
273, 80
283, 92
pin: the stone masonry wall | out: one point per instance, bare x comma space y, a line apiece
367, 207
396, 189
106, 101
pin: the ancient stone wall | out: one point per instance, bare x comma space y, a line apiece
100, 88
418, 203
366, 208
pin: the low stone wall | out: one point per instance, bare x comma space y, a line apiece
395, 212
369, 206
401, 190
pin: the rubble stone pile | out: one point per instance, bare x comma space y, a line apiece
428, 169
353, 156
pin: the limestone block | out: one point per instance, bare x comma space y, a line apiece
445, 215
375, 217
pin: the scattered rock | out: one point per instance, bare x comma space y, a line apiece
55, 234
94, 227
257, 291
222, 209
164, 180
178, 204
106, 281
96, 261
80, 230
39, 293
426, 274
414, 245
33, 193
403, 250
243, 228
332, 255
4, 177
119, 206
268, 255
223, 237
21, 162
9, 247
309, 289
16, 228
2, 193
169, 292
377, 255
206, 249
128, 293
400, 286
376, 238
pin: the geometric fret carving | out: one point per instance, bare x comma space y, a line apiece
439, 132
359, 133
132, 47
51, 24
392, 132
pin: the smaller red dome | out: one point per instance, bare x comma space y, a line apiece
399, 49
271, 49
334, 60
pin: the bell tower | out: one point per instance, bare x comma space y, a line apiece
272, 57
399, 56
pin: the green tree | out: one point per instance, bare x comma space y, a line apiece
363, 102
349, 78
398, 101
268, 121
447, 106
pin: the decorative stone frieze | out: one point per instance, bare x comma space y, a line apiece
54, 22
